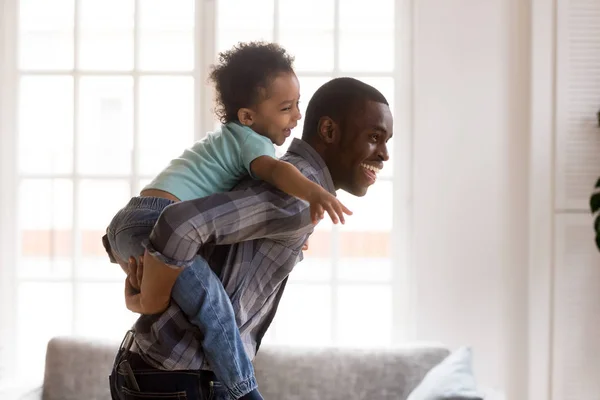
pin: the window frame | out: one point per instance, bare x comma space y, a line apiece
403, 319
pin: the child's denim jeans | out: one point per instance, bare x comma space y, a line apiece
202, 297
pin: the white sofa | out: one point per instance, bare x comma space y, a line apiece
78, 369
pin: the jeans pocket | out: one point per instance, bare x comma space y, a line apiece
135, 395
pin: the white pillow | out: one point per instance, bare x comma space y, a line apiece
451, 379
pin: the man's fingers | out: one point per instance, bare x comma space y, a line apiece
132, 265
130, 289
140, 270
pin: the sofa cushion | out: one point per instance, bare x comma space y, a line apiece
78, 368
343, 374
452, 379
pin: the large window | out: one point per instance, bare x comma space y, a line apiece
108, 91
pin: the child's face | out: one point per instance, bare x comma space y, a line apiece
278, 114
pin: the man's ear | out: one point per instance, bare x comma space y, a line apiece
245, 116
328, 130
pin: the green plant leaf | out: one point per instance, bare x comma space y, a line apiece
595, 199
595, 202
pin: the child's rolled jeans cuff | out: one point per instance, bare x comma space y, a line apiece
243, 388
175, 264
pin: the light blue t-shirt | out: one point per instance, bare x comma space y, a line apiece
214, 164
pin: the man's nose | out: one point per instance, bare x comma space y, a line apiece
383, 152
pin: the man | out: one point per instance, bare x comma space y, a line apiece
252, 238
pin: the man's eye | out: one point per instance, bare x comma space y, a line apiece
375, 137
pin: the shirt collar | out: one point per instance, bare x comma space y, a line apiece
306, 151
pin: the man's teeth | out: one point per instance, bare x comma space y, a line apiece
370, 168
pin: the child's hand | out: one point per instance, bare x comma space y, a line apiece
323, 201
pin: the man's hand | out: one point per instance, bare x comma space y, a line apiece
136, 272
322, 201
133, 283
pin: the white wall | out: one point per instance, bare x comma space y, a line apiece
470, 185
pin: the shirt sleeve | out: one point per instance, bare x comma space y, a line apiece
255, 146
257, 212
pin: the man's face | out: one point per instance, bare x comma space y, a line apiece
362, 148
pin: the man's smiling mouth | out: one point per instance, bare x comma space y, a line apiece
371, 171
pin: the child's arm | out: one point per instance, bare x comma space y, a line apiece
289, 179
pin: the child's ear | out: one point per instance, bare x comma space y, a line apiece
246, 116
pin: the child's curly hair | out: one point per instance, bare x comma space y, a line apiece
243, 72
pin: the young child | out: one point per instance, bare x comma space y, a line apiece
257, 103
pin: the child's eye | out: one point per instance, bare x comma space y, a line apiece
286, 109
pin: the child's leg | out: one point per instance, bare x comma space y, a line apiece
204, 298
130, 227
201, 295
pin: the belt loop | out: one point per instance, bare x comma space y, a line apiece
126, 344
127, 340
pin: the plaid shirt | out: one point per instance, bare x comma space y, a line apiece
252, 238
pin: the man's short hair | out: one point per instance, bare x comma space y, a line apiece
338, 99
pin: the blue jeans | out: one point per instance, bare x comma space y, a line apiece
198, 292
133, 379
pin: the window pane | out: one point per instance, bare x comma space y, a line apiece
167, 35
304, 316
372, 213
46, 244
313, 269
365, 315
365, 239
141, 184
256, 22
98, 203
306, 34
106, 41
369, 44
101, 312
44, 310
359, 269
166, 120
46, 125
106, 125
387, 88
46, 34
308, 87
